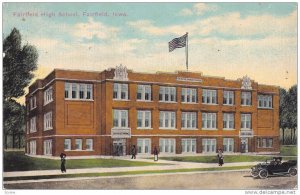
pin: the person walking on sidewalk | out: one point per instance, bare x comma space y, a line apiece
220, 157
63, 163
155, 152
133, 152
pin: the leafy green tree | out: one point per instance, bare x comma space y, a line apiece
292, 111
283, 123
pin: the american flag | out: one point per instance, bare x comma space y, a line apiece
178, 42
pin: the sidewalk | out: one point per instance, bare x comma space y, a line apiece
171, 165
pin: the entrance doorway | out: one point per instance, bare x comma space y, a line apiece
244, 145
119, 147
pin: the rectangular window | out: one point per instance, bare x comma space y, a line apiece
167, 94
228, 120
265, 142
209, 96
79, 91
143, 119
228, 97
144, 145
33, 124
189, 120
48, 121
32, 102
209, 121
144, 92
48, 95
67, 91
246, 98
167, 120
246, 121
32, 147
74, 91
120, 91
67, 144
120, 118
228, 144
89, 144
167, 145
265, 101
209, 145
188, 95
188, 145
78, 144
48, 147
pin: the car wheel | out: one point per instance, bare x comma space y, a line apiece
263, 174
254, 173
293, 171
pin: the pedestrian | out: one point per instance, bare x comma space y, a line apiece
220, 157
155, 152
63, 163
133, 152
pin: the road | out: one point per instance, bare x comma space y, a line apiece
197, 181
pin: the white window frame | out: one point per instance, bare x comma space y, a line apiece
188, 145
67, 142
32, 147
48, 121
265, 101
33, 125
142, 144
168, 116
246, 98
80, 141
164, 91
48, 147
119, 114
90, 142
48, 95
227, 96
143, 90
32, 102
189, 95
167, 145
187, 119
209, 121
143, 113
209, 145
227, 142
227, 118
120, 88
246, 121
87, 88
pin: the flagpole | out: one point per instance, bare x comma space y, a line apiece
187, 52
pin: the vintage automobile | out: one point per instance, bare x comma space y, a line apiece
274, 167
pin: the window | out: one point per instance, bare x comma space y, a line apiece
228, 121
167, 145
27, 127
120, 118
189, 120
246, 98
144, 92
48, 95
265, 142
78, 144
48, 121
167, 94
144, 146
209, 121
264, 101
228, 144
120, 91
209, 96
143, 119
67, 144
48, 147
228, 98
188, 95
33, 124
245, 121
32, 102
167, 120
188, 145
89, 144
32, 147
208, 145
79, 91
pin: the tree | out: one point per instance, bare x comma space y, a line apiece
282, 111
19, 62
292, 111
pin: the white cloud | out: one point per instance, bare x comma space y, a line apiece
198, 9
186, 12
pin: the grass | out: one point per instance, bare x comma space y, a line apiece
288, 150
123, 173
18, 161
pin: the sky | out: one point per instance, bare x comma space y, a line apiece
230, 40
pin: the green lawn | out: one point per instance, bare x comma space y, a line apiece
18, 161
288, 150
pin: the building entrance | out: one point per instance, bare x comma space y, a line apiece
119, 147
244, 145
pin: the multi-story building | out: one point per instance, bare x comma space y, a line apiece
105, 113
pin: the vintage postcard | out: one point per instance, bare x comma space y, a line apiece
150, 96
